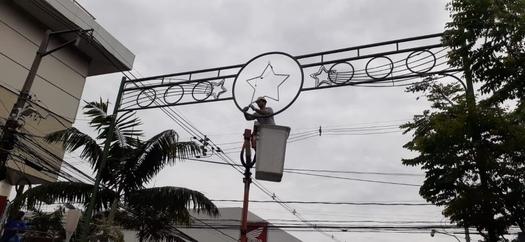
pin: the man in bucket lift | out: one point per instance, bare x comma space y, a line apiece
262, 115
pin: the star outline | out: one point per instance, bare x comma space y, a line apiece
316, 75
220, 84
269, 65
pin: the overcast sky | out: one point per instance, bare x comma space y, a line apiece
176, 36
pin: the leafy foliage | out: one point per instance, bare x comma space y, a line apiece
131, 163
152, 224
147, 212
182, 198
63, 192
473, 152
104, 230
72, 139
44, 225
448, 154
41, 221
491, 34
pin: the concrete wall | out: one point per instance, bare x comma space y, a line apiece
57, 87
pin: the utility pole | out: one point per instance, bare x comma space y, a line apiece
8, 138
247, 163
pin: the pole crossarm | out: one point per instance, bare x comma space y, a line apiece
378, 64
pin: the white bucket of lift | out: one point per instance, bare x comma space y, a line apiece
270, 153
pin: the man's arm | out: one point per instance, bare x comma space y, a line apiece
260, 113
248, 116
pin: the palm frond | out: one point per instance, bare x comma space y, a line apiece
173, 199
62, 192
155, 211
161, 150
72, 139
125, 128
125, 125
98, 112
151, 224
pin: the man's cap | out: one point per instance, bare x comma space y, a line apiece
260, 99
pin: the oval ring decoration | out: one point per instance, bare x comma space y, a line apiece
152, 95
418, 52
390, 70
170, 93
202, 88
341, 77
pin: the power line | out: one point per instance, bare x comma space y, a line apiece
354, 179
348, 227
356, 172
329, 203
279, 220
319, 170
213, 227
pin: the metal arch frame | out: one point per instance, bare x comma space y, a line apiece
161, 85
144, 84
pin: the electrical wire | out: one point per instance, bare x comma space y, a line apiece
354, 179
329, 203
321, 170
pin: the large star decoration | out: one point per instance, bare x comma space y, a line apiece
268, 78
322, 76
215, 92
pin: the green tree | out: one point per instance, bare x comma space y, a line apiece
471, 149
132, 163
442, 136
488, 36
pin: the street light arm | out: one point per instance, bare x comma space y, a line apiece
432, 232
70, 31
78, 31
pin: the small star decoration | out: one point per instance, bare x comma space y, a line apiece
215, 92
322, 76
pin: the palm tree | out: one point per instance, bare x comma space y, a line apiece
131, 163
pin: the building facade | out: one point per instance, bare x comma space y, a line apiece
59, 82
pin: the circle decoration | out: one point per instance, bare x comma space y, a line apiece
276, 76
146, 97
341, 73
426, 65
173, 94
373, 76
202, 91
